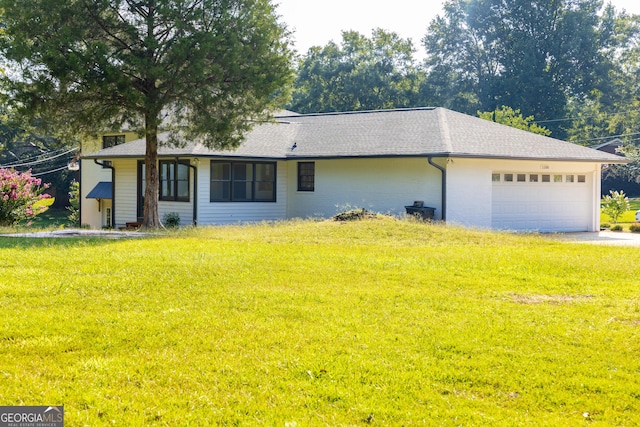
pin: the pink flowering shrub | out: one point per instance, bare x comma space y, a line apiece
20, 196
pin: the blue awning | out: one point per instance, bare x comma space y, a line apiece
102, 190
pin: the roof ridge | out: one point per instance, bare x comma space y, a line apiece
444, 129
345, 113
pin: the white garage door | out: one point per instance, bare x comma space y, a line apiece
542, 202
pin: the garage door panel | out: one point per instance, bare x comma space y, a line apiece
542, 206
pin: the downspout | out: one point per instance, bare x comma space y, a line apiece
443, 171
113, 190
195, 194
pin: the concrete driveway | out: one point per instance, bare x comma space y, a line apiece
611, 238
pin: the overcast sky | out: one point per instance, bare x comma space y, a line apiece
315, 22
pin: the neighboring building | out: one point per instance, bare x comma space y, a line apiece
613, 182
472, 171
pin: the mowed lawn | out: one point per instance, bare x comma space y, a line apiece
376, 322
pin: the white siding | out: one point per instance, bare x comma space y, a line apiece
469, 192
126, 189
474, 200
377, 184
230, 212
91, 174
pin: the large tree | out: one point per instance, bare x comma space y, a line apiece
204, 69
359, 74
531, 55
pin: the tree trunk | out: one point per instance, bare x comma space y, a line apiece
151, 218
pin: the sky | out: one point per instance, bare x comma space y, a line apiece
315, 23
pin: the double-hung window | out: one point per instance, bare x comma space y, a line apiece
306, 176
174, 180
243, 181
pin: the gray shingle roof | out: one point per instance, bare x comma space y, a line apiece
386, 133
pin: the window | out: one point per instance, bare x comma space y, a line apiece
174, 180
495, 177
306, 176
522, 177
533, 178
142, 186
582, 178
508, 177
557, 178
546, 178
111, 141
243, 182
569, 178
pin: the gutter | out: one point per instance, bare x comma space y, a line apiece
443, 171
113, 190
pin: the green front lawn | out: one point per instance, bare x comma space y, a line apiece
380, 322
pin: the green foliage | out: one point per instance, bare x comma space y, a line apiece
322, 323
74, 204
510, 117
360, 74
615, 204
634, 228
21, 197
612, 107
171, 219
616, 227
532, 55
211, 68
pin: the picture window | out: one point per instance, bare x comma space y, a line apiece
243, 182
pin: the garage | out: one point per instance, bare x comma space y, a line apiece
544, 202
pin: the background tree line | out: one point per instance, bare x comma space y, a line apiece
573, 65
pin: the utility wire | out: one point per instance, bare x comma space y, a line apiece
14, 165
35, 156
51, 171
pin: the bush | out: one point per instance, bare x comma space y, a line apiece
74, 201
616, 227
605, 225
171, 219
634, 228
21, 196
615, 204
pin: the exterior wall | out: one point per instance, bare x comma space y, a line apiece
230, 212
126, 189
90, 175
378, 184
384, 185
469, 187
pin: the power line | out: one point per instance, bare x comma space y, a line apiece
566, 119
14, 165
35, 156
51, 171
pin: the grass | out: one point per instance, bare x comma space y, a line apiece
376, 322
626, 218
